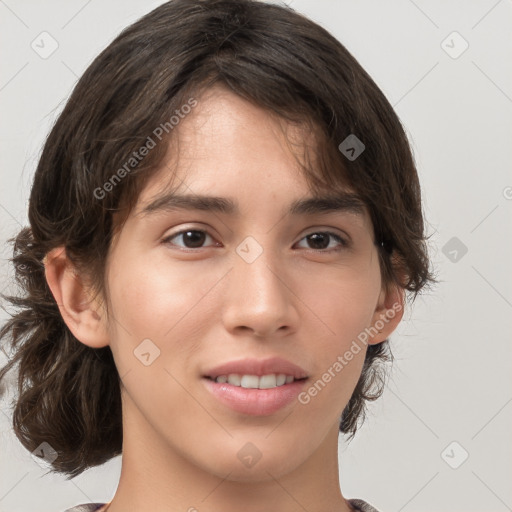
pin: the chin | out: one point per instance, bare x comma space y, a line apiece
258, 473
248, 464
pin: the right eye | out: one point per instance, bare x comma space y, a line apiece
191, 238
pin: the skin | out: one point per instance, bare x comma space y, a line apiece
208, 306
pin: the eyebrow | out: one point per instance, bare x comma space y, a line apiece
342, 202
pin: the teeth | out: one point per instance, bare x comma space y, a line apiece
233, 379
254, 382
250, 381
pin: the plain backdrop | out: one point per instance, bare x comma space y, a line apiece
439, 439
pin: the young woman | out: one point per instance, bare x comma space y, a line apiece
224, 224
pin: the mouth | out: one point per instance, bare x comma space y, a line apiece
253, 395
257, 387
244, 372
247, 381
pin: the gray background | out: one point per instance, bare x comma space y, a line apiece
451, 381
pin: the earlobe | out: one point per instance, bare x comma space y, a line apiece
388, 314
84, 317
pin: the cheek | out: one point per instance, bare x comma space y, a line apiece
342, 311
342, 304
152, 296
339, 359
154, 321
160, 302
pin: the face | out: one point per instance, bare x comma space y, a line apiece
192, 289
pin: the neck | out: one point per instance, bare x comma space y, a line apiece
156, 476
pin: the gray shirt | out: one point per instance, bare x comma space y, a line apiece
359, 505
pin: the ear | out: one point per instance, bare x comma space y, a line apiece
388, 313
85, 317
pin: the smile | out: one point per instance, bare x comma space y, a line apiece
252, 400
255, 382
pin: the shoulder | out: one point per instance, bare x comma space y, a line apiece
362, 506
86, 507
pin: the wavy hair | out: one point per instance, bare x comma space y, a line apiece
68, 394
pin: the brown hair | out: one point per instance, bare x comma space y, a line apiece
69, 393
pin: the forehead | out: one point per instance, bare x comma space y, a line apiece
224, 125
228, 149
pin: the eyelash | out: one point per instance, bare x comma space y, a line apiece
344, 243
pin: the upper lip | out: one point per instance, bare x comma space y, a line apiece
257, 367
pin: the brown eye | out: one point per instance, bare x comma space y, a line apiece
191, 238
320, 241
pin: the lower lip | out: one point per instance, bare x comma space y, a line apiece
255, 402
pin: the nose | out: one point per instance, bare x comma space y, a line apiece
259, 297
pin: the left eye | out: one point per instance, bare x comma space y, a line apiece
320, 238
194, 238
